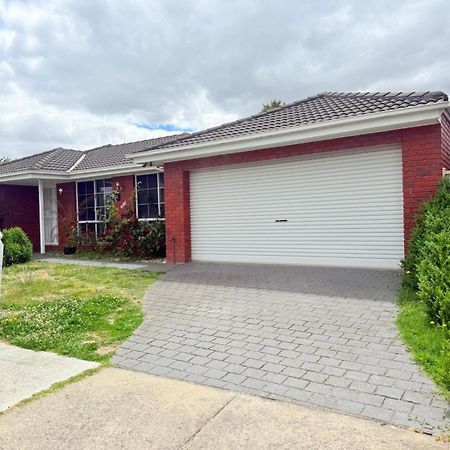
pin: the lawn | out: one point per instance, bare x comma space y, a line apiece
429, 345
97, 255
85, 312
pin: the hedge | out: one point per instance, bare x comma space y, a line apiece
427, 266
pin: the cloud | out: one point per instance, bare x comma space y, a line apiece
81, 73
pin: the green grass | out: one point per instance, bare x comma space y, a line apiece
428, 343
69, 309
96, 255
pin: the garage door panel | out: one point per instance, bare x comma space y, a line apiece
341, 209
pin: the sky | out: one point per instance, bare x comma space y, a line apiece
83, 73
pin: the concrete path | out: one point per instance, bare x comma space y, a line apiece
149, 266
117, 409
25, 372
321, 336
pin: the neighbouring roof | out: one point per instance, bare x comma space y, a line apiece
323, 107
56, 160
115, 155
63, 159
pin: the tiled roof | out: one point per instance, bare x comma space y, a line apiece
63, 159
56, 160
114, 155
323, 107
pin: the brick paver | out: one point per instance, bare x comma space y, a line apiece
321, 336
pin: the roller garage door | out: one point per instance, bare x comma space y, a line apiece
337, 209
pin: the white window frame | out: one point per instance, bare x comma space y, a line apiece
96, 222
152, 219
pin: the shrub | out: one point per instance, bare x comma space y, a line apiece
428, 263
433, 274
125, 235
433, 218
17, 246
152, 241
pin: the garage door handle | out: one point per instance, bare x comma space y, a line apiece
280, 220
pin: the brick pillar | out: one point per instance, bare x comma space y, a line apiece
178, 220
67, 209
422, 170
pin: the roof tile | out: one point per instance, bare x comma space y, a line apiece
322, 107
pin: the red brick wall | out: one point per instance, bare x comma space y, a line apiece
445, 136
422, 165
19, 207
67, 211
422, 170
126, 186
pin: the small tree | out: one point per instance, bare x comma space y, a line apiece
272, 105
4, 159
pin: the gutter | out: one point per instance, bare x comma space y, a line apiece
68, 176
350, 126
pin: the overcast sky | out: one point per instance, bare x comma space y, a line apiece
83, 73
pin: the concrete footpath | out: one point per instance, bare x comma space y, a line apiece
25, 372
123, 409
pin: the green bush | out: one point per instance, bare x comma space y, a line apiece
427, 266
433, 273
152, 240
17, 247
433, 218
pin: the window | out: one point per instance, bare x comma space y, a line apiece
150, 196
93, 197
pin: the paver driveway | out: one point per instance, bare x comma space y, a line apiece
321, 336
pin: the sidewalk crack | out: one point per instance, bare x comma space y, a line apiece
208, 420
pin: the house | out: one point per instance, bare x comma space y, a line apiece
43, 192
335, 179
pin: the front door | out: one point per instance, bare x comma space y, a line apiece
50, 216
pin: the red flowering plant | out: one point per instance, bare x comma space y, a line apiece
125, 235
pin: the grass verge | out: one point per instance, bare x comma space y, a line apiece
429, 345
85, 312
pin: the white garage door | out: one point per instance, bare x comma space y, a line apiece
338, 209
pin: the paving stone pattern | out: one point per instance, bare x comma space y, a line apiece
320, 336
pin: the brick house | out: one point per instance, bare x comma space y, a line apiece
44, 193
334, 179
